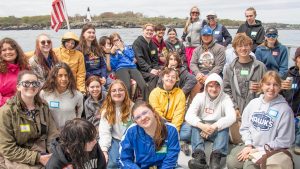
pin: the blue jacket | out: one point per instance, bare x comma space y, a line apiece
95, 65
274, 59
122, 59
137, 149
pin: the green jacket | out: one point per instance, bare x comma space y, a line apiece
22, 137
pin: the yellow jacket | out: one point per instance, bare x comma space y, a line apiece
75, 60
169, 104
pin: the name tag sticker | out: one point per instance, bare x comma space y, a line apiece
244, 72
163, 149
54, 104
177, 46
153, 52
253, 33
273, 113
275, 53
294, 86
217, 32
25, 128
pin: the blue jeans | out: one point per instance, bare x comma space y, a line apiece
220, 140
185, 132
113, 154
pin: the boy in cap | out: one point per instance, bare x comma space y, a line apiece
207, 58
210, 114
272, 53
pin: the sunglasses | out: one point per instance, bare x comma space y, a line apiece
271, 36
210, 18
43, 42
27, 84
195, 13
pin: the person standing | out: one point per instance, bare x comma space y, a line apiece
191, 33
146, 55
220, 32
253, 28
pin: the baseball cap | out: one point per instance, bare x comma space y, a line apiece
272, 30
206, 30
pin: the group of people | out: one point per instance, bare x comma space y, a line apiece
105, 104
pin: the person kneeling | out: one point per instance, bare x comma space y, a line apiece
210, 114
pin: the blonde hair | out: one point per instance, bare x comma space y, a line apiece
270, 75
188, 22
148, 24
241, 39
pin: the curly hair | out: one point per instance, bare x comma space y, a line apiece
40, 57
21, 59
108, 108
177, 58
73, 138
82, 42
161, 132
51, 83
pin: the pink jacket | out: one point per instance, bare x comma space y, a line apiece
8, 83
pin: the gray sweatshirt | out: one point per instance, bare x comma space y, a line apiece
63, 106
268, 123
210, 61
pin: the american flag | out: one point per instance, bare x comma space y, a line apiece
57, 14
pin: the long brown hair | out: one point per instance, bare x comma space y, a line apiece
51, 84
177, 58
82, 42
40, 57
21, 59
37, 100
109, 106
161, 132
74, 137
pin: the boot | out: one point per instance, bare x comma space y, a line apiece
198, 161
215, 159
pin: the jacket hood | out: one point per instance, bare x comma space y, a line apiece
257, 24
294, 71
57, 151
279, 99
70, 35
214, 77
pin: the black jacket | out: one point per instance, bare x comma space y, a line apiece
146, 54
256, 32
293, 95
60, 160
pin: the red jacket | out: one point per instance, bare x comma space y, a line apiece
8, 82
161, 46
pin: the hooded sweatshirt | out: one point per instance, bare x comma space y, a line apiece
269, 123
218, 111
179, 48
256, 32
193, 33
274, 58
59, 159
210, 60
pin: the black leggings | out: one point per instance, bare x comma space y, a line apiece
125, 74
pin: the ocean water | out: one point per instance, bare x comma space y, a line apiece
26, 38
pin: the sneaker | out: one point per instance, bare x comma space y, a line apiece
215, 159
198, 161
185, 149
297, 150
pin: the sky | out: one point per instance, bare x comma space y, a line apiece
279, 11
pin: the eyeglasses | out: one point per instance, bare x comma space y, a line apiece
271, 36
117, 90
27, 84
210, 18
43, 42
249, 16
195, 13
138, 117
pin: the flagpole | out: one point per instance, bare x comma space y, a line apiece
66, 14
